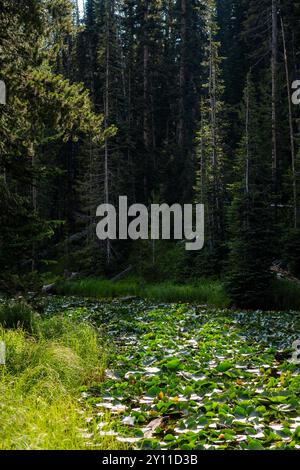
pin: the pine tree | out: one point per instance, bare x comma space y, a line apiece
211, 148
248, 276
43, 114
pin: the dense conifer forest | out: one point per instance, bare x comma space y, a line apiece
165, 102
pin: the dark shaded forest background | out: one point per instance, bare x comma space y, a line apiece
170, 101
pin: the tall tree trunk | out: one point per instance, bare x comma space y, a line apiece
146, 98
182, 74
213, 132
109, 7
247, 133
34, 197
212, 98
129, 64
274, 48
292, 140
77, 14
201, 154
146, 78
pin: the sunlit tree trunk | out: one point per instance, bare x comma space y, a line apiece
247, 135
110, 9
292, 140
274, 53
182, 73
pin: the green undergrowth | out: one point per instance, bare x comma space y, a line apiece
283, 294
205, 291
16, 314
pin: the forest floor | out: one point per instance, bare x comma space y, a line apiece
181, 376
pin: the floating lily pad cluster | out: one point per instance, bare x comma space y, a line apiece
193, 377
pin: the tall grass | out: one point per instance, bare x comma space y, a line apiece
283, 295
205, 291
16, 314
40, 383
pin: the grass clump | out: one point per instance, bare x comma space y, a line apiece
208, 292
283, 294
41, 381
205, 291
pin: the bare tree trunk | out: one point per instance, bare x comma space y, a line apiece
77, 14
212, 97
146, 77
213, 131
168, 47
129, 94
201, 155
146, 104
182, 74
247, 133
90, 192
4, 175
292, 140
34, 206
146, 86
107, 110
169, 22
274, 48
153, 252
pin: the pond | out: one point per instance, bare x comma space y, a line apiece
192, 377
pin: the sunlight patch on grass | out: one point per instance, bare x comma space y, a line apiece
41, 406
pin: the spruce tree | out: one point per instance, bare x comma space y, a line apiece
248, 276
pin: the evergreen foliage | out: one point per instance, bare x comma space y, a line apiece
173, 101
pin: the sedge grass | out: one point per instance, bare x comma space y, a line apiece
40, 407
206, 291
